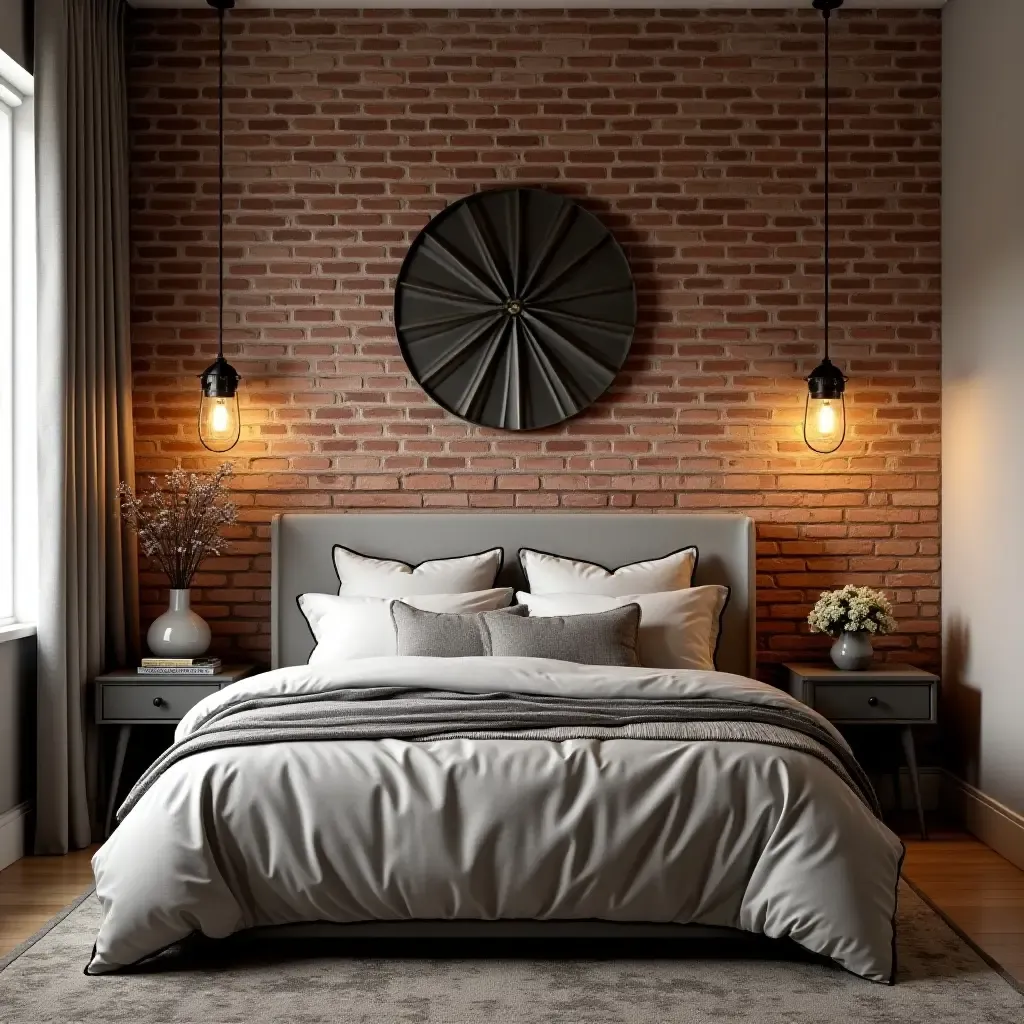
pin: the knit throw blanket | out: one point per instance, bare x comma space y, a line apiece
376, 713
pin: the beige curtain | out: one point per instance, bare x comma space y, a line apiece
87, 618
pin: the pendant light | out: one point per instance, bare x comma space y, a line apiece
219, 421
825, 411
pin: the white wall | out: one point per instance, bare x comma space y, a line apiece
983, 392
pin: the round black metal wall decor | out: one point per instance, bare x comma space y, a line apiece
515, 308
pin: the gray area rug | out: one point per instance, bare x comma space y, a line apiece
941, 981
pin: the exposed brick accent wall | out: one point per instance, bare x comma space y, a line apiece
694, 135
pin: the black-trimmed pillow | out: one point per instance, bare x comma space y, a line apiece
346, 627
605, 638
679, 628
553, 574
363, 576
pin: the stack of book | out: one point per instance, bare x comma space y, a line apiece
179, 666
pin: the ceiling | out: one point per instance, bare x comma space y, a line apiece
556, 4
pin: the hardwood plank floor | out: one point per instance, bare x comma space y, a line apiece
33, 889
978, 890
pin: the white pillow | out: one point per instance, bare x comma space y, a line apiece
550, 574
363, 576
361, 627
678, 628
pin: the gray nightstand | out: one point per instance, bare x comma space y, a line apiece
888, 695
126, 698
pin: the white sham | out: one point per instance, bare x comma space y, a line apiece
678, 628
362, 576
552, 574
347, 627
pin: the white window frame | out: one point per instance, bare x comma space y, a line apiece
18, 425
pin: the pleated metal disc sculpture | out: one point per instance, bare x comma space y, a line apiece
515, 308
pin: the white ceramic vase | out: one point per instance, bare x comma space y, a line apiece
179, 632
852, 652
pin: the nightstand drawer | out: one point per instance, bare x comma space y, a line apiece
150, 701
869, 702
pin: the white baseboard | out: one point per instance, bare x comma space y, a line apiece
995, 825
13, 828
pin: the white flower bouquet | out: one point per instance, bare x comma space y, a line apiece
179, 524
852, 610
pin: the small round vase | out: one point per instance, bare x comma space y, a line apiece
179, 632
852, 652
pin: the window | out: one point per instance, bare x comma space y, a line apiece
18, 486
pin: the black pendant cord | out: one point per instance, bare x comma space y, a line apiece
826, 382
219, 423
827, 15
220, 186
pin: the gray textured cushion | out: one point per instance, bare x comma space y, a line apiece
446, 634
601, 638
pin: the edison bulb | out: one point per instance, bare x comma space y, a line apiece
826, 419
221, 419
824, 424
219, 425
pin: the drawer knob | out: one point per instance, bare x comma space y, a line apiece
873, 702
159, 702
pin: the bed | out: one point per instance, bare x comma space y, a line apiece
503, 795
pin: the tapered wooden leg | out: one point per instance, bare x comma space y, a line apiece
910, 753
123, 735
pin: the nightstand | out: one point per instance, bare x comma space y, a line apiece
127, 698
891, 695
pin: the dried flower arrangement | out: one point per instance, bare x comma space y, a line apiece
178, 523
852, 610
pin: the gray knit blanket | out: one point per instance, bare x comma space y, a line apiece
376, 713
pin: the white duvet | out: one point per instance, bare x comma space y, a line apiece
749, 835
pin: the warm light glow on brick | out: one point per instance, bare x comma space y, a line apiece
694, 135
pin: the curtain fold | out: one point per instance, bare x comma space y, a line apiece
88, 612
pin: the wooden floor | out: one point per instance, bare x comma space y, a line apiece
977, 890
33, 889
973, 886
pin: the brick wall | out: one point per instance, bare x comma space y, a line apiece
694, 135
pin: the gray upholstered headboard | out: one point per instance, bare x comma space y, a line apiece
302, 563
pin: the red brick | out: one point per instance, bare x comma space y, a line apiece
347, 133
